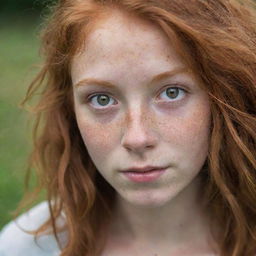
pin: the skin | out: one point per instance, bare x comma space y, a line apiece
141, 125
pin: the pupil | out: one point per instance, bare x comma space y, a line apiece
103, 99
173, 92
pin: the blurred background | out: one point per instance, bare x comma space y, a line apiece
20, 23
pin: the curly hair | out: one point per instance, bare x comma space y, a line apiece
217, 39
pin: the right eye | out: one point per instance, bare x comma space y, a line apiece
100, 101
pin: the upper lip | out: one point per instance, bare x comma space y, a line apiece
143, 169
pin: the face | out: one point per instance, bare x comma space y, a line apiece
138, 105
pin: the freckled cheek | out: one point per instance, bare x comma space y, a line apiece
187, 130
97, 137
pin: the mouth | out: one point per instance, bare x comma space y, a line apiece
143, 169
140, 175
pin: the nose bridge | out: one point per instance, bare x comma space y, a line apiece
136, 116
138, 132
139, 118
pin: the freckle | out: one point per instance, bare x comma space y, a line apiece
168, 57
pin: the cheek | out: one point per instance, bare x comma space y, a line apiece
189, 133
195, 128
98, 138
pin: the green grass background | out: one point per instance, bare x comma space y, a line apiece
19, 49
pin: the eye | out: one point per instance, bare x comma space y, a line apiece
100, 100
173, 93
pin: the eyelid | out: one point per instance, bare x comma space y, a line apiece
174, 85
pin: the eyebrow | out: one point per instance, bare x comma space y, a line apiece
155, 79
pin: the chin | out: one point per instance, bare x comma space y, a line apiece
148, 199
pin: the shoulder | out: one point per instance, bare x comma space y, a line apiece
14, 241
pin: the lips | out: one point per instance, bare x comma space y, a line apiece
146, 176
143, 169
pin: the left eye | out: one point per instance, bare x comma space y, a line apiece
173, 93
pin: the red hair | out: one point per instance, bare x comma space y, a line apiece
217, 39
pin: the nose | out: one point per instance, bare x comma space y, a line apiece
138, 135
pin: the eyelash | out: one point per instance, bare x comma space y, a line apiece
90, 97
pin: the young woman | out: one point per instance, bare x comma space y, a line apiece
145, 137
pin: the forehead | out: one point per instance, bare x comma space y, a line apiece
121, 35
120, 29
125, 46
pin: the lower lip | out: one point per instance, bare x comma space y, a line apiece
144, 176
